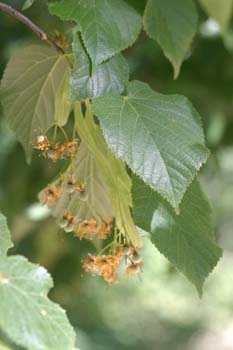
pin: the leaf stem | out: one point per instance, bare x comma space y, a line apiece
39, 32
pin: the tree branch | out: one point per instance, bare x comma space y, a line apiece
39, 32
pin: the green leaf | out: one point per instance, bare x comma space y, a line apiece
160, 137
63, 100
27, 4
113, 172
173, 25
28, 91
5, 240
221, 11
84, 169
109, 77
187, 239
107, 26
27, 316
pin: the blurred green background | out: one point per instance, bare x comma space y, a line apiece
163, 311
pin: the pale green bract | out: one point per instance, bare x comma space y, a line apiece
63, 100
27, 316
160, 137
28, 91
27, 4
173, 25
186, 239
112, 171
84, 170
107, 26
221, 11
109, 77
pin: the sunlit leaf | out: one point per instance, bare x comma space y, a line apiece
28, 91
63, 101
113, 172
173, 25
27, 316
187, 239
160, 137
221, 11
97, 204
27, 4
107, 26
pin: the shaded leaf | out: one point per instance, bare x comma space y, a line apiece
173, 25
109, 77
63, 101
27, 316
221, 11
160, 137
28, 90
186, 239
107, 26
5, 240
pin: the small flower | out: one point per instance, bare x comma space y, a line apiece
87, 229
56, 151
90, 229
42, 143
50, 195
68, 222
52, 154
105, 229
106, 266
133, 269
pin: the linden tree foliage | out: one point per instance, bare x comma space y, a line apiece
98, 198
192, 248
27, 316
107, 26
131, 154
109, 77
160, 137
113, 172
28, 90
173, 25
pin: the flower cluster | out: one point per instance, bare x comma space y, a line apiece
50, 195
90, 229
108, 266
56, 151
120, 256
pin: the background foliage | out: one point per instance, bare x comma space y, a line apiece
163, 311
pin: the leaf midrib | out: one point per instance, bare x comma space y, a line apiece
165, 167
41, 91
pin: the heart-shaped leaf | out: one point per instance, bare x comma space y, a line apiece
28, 91
173, 25
27, 316
109, 77
107, 26
160, 137
187, 239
